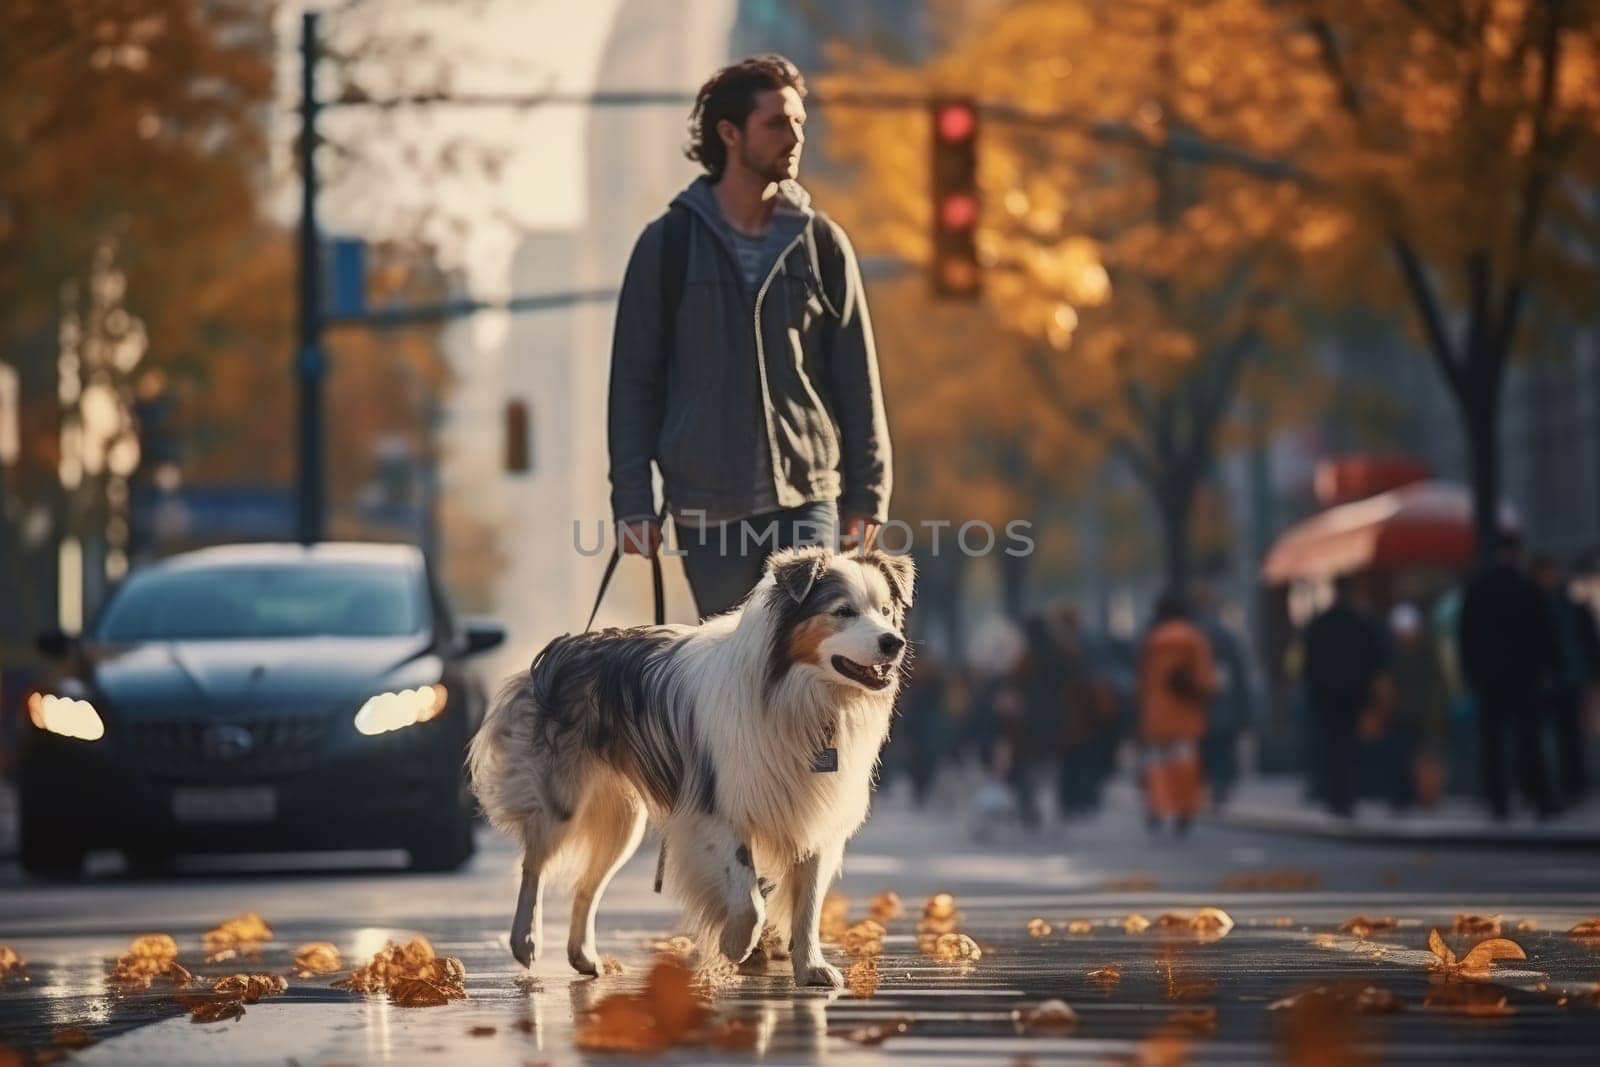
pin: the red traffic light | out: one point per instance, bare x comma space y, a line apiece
958, 212
955, 122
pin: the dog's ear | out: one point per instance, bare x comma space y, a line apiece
797, 571
899, 571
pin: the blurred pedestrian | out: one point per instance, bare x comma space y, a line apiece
922, 736
1346, 654
1568, 685
1177, 682
1508, 649
1232, 712
1088, 720
766, 437
1040, 680
1413, 750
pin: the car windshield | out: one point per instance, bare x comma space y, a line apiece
265, 601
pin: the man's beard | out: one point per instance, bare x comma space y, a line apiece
775, 170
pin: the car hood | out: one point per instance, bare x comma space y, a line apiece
306, 675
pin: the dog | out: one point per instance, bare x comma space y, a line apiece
752, 740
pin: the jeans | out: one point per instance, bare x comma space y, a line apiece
724, 561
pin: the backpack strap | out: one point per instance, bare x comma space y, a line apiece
674, 264
827, 263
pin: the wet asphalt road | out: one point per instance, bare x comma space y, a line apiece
1101, 871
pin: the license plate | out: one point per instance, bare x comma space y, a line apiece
225, 805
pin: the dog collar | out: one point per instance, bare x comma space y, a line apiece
826, 761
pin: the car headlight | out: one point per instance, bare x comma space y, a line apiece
65, 716
405, 707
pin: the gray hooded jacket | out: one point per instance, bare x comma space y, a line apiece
753, 384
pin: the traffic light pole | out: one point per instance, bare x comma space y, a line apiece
310, 361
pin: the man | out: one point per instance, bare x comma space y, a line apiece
1508, 648
757, 395
1346, 656
1578, 642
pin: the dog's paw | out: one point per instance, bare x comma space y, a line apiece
523, 946
584, 959
820, 973
741, 935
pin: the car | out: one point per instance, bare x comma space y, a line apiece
261, 697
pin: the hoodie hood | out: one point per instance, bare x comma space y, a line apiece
791, 215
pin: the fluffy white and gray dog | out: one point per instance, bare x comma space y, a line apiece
751, 740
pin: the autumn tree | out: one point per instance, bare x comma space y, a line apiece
134, 178
130, 143
1136, 262
1462, 155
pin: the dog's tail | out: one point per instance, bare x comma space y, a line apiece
507, 797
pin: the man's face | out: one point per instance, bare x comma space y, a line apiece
770, 143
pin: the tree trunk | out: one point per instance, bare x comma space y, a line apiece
1174, 501
1480, 416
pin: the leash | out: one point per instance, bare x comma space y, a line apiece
655, 575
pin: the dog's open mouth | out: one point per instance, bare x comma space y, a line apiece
874, 677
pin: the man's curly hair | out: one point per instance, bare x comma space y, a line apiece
730, 94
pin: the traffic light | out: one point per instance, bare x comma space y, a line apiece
956, 274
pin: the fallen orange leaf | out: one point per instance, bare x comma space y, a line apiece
956, 948
1477, 924
242, 933
249, 987
835, 916
939, 906
1364, 926
1136, 924
413, 961
1039, 928
885, 906
1481, 958
11, 964
1208, 923
1106, 976
1478, 961
149, 957
1080, 926
862, 978
865, 938
317, 957
1587, 928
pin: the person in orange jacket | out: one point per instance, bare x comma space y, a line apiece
1177, 682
